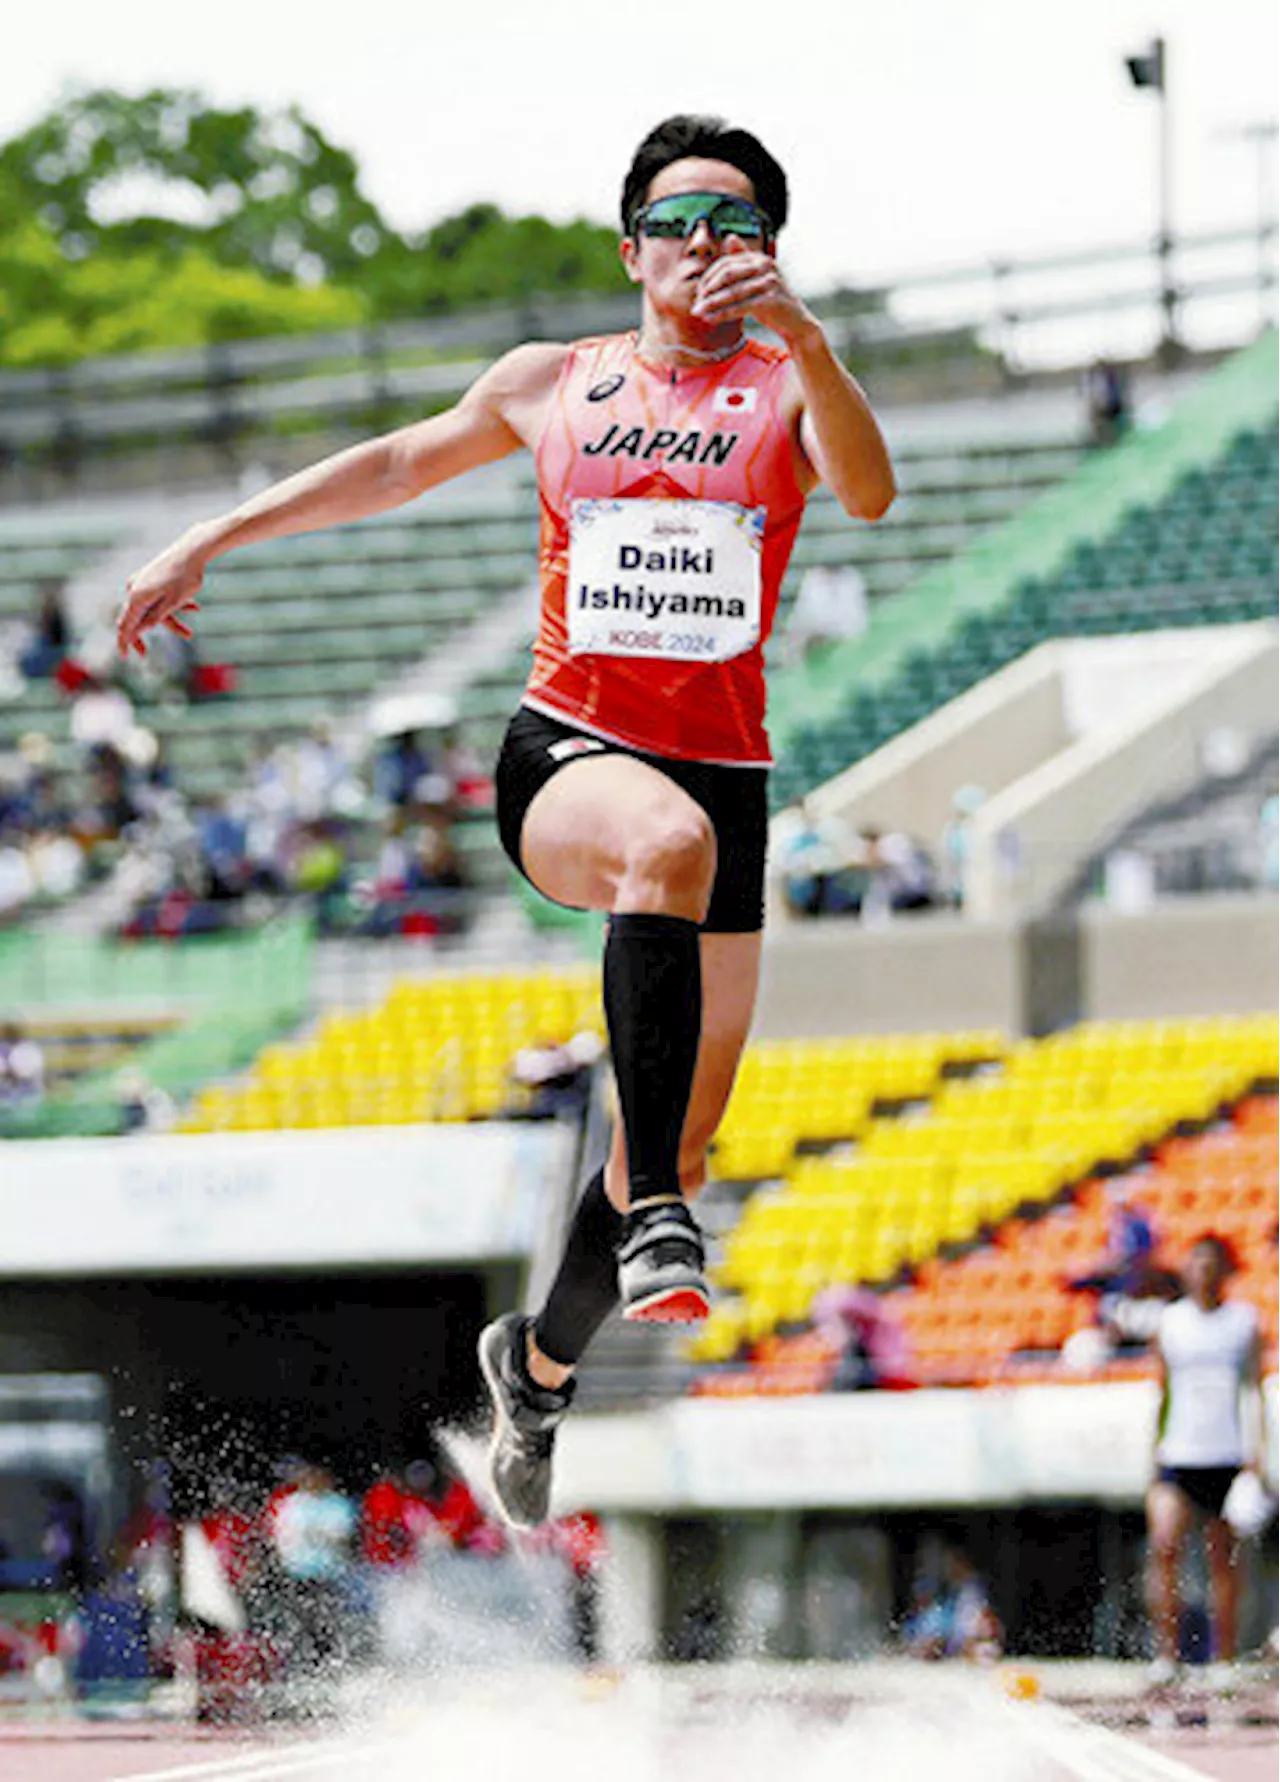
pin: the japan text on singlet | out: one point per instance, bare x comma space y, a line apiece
670, 504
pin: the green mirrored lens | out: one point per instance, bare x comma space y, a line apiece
677, 217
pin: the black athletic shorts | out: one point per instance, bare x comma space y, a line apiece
1206, 1486
736, 799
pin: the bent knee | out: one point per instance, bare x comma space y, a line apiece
676, 853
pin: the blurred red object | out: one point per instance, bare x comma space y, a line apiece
418, 922
212, 680
232, 1671
71, 675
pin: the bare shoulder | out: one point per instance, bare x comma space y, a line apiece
517, 388
525, 371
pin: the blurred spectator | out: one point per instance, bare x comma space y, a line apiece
956, 840
50, 635
396, 1516
435, 864
21, 1069
64, 1541
392, 866
469, 785
1132, 1291
175, 672
101, 714
107, 807
313, 1527
830, 605
144, 1107
553, 1077
952, 1615
320, 774
400, 769
1130, 1244
235, 1534
900, 874
1269, 842
223, 845
295, 831
56, 863
1107, 399
313, 1530
39, 860
318, 868
146, 1546
870, 1342
820, 862
17, 881
170, 667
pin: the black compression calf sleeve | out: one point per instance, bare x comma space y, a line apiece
653, 1005
585, 1289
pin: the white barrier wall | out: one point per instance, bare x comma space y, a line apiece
371, 1195
1029, 841
869, 1450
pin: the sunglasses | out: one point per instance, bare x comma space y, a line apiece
676, 218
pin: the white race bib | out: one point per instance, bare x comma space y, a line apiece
675, 579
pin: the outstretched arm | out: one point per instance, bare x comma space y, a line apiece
497, 415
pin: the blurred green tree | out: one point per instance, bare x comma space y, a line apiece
480, 255
162, 220
110, 174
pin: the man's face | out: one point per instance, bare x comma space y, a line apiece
1205, 1271
671, 270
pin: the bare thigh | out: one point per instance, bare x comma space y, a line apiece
730, 977
1169, 1518
610, 833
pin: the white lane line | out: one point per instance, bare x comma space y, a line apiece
255, 1766
1094, 1753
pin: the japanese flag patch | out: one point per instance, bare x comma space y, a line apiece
732, 399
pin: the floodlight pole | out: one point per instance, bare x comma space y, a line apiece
1170, 350
1151, 70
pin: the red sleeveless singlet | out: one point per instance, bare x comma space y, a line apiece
670, 505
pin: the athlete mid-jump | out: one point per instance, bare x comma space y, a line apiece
673, 466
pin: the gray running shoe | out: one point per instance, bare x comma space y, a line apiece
660, 1264
524, 1424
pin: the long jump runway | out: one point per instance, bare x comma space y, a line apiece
639, 1727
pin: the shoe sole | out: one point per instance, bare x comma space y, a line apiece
673, 1305
500, 1419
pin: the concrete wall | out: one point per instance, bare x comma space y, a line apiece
989, 736
1029, 841
834, 976
1192, 956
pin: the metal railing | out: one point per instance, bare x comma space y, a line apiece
997, 321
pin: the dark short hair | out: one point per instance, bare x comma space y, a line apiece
676, 138
1223, 1249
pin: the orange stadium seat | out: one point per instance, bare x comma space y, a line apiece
974, 1317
